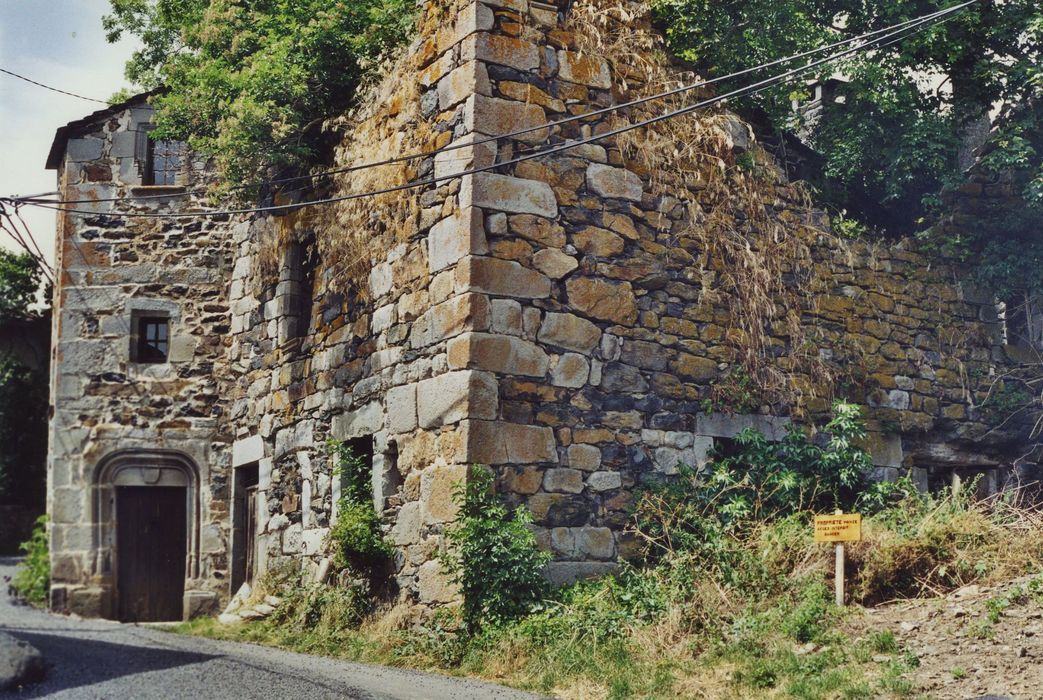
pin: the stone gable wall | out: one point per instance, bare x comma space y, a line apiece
104, 403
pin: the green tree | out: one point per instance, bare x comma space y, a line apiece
23, 391
493, 555
19, 282
909, 108
250, 82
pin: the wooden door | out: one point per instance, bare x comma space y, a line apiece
150, 552
251, 534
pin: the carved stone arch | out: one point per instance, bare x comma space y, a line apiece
142, 467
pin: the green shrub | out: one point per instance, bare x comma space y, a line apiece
360, 545
32, 578
358, 542
763, 481
493, 555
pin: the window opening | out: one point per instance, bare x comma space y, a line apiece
164, 162
361, 448
159, 161
153, 343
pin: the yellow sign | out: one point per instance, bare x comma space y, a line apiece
838, 528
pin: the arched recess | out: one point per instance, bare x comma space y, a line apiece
142, 467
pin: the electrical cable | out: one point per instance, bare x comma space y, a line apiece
31, 237
15, 235
923, 19
53, 89
759, 86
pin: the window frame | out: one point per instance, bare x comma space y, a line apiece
145, 155
146, 350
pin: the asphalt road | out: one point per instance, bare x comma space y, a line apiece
101, 659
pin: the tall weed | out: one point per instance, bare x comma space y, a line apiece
32, 578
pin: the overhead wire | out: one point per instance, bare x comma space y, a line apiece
905, 30
31, 237
889, 31
11, 229
52, 89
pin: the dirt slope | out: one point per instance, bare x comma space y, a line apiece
978, 641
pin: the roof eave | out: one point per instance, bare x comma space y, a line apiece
64, 133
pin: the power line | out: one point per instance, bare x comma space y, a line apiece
52, 89
11, 230
586, 115
32, 238
896, 35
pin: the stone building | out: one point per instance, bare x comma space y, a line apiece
576, 322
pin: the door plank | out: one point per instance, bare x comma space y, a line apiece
151, 539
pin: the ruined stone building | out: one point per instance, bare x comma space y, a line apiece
579, 323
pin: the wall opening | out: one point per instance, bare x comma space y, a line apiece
390, 478
362, 448
145, 513
245, 507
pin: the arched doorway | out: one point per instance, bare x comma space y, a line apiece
146, 524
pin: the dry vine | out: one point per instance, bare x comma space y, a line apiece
747, 256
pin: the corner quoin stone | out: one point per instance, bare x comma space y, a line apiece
509, 194
497, 353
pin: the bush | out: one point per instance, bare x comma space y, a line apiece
358, 542
930, 544
360, 545
493, 555
763, 481
32, 578
319, 610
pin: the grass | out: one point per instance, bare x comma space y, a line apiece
755, 622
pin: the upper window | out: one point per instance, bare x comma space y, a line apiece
159, 161
164, 162
153, 342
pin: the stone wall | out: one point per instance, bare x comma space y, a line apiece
580, 323
567, 322
105, 404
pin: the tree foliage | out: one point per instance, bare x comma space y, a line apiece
897, 138
19, 282
249, 82
23, 391
23, 432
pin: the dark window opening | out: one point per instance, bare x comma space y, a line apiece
153, 342
159, 161
361, 448
724, 447
391, 482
